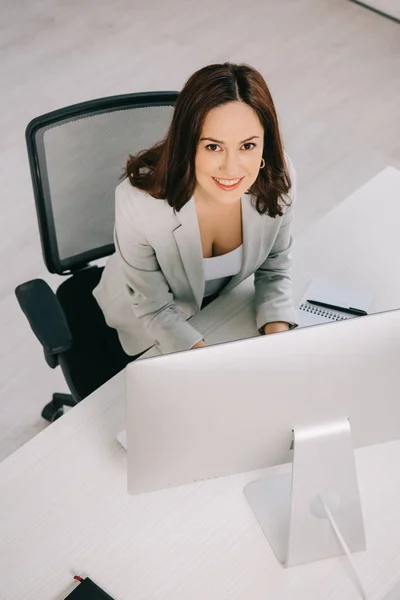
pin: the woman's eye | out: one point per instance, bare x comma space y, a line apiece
212, 147
248, 144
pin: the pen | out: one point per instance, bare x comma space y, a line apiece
351, 311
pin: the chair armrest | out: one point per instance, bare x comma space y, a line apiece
45, 315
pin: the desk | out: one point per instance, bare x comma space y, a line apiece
64, 509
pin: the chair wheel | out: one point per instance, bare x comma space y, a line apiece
52, 412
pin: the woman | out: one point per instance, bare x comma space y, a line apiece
200, 212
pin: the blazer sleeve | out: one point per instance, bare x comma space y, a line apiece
273, 281
151, 300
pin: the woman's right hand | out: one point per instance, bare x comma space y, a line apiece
199, 344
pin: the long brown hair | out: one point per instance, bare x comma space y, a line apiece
166, 171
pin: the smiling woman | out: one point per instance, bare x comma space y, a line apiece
201, 211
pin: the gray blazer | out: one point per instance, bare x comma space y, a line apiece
155, 282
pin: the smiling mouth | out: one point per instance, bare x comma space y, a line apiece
228, 182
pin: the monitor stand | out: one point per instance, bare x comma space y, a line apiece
288, 508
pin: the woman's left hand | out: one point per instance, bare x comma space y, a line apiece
276, 327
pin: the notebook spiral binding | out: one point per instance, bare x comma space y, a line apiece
323, 312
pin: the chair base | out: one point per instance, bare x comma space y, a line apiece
55, 409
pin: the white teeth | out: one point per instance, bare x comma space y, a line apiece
227, 181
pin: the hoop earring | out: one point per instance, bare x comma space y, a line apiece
262, 161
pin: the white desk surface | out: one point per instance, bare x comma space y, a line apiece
357, 243
64, 508
65, 511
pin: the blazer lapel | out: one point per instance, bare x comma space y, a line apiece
187, 237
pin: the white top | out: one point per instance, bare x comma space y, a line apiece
218, 270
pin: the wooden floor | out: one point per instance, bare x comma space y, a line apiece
388, 8
333, 68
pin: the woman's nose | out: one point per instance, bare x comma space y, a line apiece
231, 165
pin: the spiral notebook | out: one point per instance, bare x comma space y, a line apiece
330, 293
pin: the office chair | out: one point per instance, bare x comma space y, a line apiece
76, 157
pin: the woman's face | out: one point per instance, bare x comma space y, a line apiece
229, 153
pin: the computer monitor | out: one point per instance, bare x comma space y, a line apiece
306, 397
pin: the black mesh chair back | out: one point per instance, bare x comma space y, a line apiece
77, 155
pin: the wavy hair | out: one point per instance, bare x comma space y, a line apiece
167, 171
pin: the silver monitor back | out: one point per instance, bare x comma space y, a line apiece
231, 407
